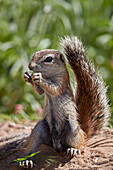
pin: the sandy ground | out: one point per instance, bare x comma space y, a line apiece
96, 155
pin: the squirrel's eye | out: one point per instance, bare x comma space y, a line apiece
48, 59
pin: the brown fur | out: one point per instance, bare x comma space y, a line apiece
87, 113
91, 99
59, 107
67, 121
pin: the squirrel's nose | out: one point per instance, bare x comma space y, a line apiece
31, 65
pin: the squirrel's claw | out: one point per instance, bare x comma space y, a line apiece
73, 152
27, 164
37, 77
27, 77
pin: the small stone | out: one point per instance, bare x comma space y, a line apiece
12, 124
95, 160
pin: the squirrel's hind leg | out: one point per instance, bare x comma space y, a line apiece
76, 141
39, 135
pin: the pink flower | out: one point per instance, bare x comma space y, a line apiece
18, 108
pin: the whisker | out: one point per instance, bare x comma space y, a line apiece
26, 60
25, 64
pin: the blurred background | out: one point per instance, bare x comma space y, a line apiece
28, 26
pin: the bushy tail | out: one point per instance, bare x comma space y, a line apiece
12, 144
91, 99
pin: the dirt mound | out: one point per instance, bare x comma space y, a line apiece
97, 154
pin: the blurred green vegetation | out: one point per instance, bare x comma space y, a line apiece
28, 26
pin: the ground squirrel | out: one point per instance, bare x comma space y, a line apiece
68, 120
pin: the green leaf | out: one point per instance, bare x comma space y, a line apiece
26, 157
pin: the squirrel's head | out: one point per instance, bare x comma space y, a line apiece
48, 62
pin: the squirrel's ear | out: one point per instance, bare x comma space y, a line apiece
62, 58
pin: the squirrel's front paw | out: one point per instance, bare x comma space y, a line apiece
27, 77
37, 78
27, 164
71, 152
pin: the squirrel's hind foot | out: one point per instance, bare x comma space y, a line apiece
27, 164
71, 152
